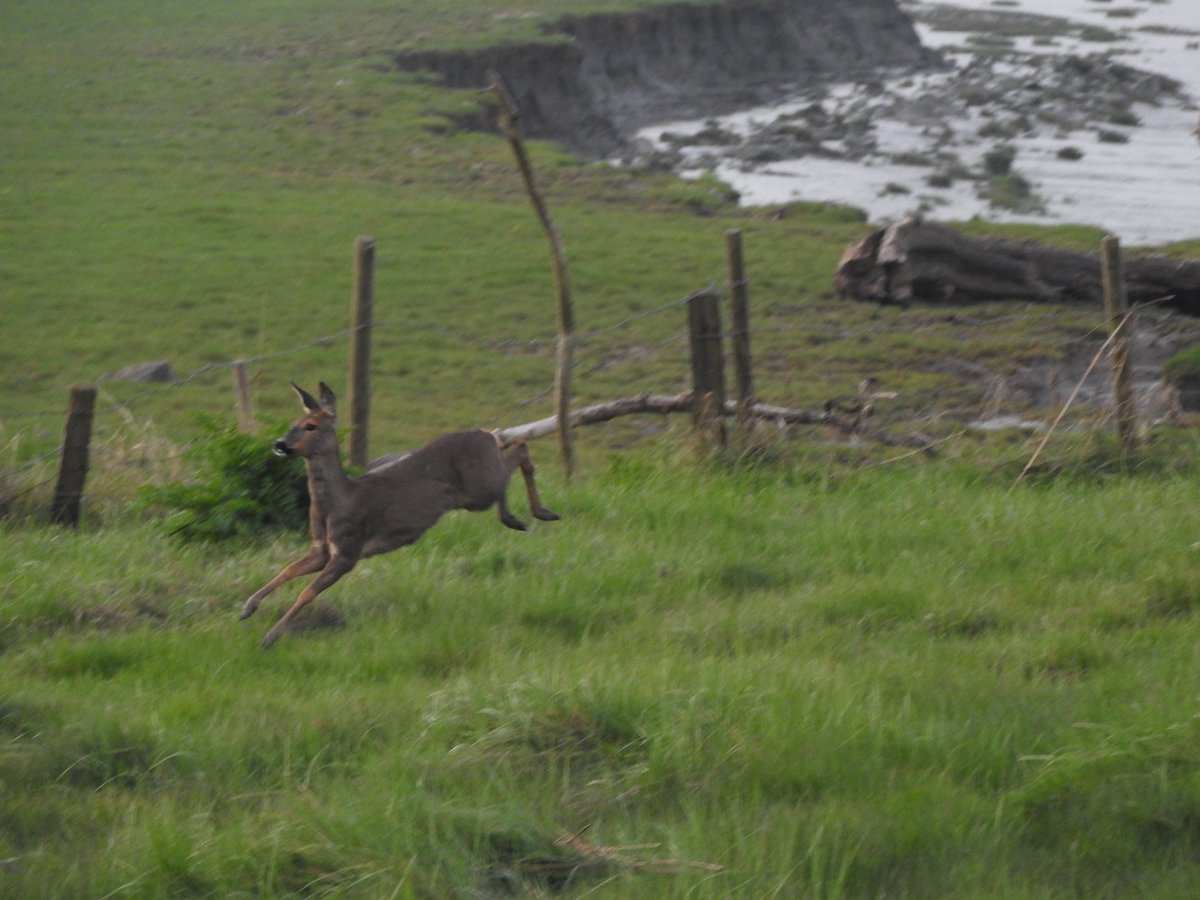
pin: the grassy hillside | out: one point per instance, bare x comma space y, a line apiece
817, 669
901, 682
185, 182
161, 161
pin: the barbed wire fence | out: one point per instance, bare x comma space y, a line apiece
595, 353
14, 486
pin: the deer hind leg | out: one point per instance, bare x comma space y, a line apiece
506, 516
519, 458
338, 566
313, 561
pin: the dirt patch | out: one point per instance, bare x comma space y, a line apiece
1041, 386
116, 618
317, 617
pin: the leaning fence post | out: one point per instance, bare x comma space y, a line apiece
241, 390
739, 309
1120, 324
708, 366
362, 315
72, 471
565, 348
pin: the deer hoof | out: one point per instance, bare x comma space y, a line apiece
271, 638
514, 523
248, 610
546, 515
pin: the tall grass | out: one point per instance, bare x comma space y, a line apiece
902, 681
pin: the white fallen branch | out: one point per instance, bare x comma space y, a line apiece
663, 404
599, 412
682, 403
585, 415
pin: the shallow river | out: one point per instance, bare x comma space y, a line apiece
1146, 190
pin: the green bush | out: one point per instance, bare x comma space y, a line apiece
1013, 192
242, 490
1184, 364
999, 160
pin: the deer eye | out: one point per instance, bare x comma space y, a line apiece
310, 427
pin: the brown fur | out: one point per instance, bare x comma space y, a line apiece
351, 518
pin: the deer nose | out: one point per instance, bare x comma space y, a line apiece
280, 448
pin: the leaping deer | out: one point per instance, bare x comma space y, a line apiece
390, 506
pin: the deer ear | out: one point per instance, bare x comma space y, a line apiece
328, 401
309, 401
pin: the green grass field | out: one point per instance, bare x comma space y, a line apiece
905, 681
808, 668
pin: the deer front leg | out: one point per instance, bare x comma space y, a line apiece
313, 561
338, 566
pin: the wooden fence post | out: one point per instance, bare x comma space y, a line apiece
1120, 324
740, 317
565, 348
708, 366
241, 390
72, 471
361, 318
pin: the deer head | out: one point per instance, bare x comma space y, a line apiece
309, 434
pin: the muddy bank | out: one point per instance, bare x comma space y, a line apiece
598, 78
1021, 395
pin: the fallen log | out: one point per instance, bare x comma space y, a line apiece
683, 403
920, 262
664, 404
599, 412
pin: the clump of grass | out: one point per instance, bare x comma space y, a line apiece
1014, 192
243, 491
990, 42
1183, 365
1006, 128
1172, 598
1132, 781
999, 160
706, 195
1126, 117
1096, 34
1005, 189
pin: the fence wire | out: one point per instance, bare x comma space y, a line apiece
591, 355
581, 342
